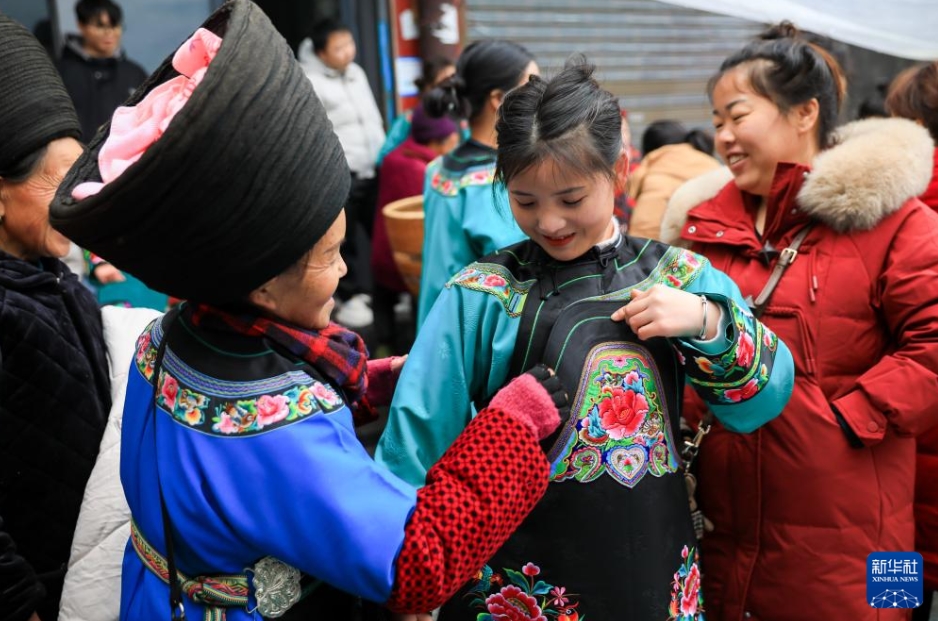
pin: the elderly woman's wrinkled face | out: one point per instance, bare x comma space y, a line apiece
25, 231
302, 295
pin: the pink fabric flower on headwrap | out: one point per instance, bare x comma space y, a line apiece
135, 128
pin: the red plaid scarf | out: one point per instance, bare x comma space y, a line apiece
338, 354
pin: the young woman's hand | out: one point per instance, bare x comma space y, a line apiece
665, 311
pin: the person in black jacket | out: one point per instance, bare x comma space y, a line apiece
54, 386
96, 71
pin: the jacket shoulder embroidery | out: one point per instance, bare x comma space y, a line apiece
495, 280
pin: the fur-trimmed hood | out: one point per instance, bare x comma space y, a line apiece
875, 166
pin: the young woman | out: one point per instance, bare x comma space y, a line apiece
625, 322
799, 504
463, 220
239, 459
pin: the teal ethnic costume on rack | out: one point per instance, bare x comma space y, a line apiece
612, 538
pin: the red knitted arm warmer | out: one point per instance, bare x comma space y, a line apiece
475, 497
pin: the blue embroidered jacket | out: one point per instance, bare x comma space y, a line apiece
255, 416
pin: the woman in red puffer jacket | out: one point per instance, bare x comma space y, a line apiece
799, 504
914, 95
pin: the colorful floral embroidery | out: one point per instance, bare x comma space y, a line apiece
242, 416
687, 602
677, 268
741, 372
621, 426
494, 280
146, 355
448, 184
525, 597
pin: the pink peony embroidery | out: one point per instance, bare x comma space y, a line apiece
271, 410
494, 280
169, 390
513, 604
226, 424
689, 595
622, 412
142, 344
748, 391
325, 395
745, 350
674, 281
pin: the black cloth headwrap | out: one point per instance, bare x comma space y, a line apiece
244, 181
35, 108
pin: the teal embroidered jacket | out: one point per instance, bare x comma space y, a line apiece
464, 350
613, 537
465, 218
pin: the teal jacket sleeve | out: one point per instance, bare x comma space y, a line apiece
462, 353
460, 226
398, 133
747, 380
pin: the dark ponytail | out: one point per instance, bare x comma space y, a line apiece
484, 66
568, 119
787, 69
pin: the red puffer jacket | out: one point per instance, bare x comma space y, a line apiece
799, 504
926, 465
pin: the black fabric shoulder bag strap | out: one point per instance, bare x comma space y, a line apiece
177, 609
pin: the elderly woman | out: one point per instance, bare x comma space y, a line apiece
54, 393
222, 183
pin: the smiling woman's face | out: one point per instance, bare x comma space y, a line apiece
566, 215
302, 295
753, 135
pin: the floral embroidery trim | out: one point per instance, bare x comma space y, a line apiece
525, 597
145, 358
621, 426
743, 370
246, 416
450, 184
687, 602
495, 280
676, 268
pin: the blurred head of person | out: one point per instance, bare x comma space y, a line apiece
433, 71
913, 95
334, 44
662, 133
559, 142
485, 72
775, 100
38, 144
101, 25
439, 134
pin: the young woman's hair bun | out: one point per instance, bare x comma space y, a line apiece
446, 98
782, 30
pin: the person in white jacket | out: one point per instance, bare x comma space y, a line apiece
342, 86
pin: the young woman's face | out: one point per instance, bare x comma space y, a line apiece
753, 135
566, 215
